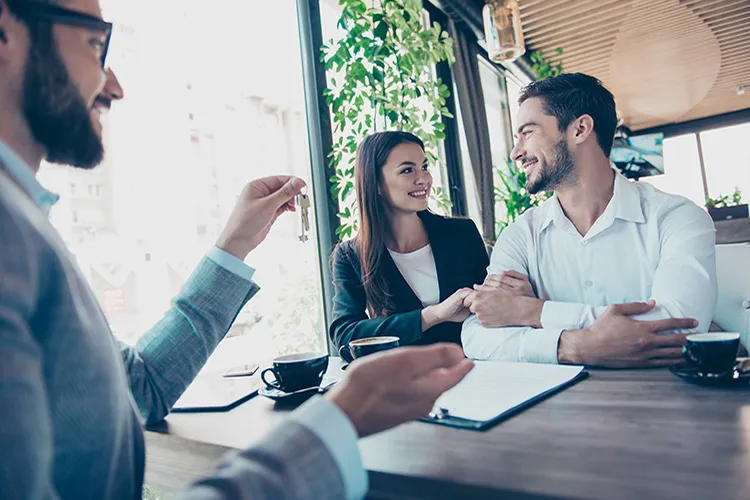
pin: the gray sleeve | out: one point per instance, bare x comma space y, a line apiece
289, 463
167, 359
26, 437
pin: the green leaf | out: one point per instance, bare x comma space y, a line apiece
347, 189
381, 30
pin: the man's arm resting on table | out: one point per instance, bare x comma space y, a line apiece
166, 360
312, 455
517, 344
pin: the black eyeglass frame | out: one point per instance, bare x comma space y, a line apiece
56, 14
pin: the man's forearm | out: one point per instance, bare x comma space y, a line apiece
515, 344
573, 316
166, 359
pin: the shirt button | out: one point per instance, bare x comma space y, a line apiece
589, 284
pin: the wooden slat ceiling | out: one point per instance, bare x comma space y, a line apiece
666, 61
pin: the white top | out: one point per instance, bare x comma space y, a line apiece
646, 245
418, 269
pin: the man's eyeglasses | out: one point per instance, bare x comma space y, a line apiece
53, 13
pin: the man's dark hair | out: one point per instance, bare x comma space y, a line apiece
571, 95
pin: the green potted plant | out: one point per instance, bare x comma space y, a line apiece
727, 207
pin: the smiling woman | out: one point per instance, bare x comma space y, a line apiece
408, 270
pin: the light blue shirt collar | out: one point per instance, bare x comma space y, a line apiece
24, 176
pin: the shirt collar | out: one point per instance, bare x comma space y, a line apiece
625, 204
626, 201
553, 213
24, 177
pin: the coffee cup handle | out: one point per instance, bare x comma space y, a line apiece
275, 383
345, 353
688, 355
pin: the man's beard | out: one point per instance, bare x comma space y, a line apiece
54, 109
559, 171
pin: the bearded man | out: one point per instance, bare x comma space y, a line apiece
599, 272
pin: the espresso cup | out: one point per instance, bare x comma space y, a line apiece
362, 347
294, 372
714, 352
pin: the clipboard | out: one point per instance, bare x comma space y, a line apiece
443, 416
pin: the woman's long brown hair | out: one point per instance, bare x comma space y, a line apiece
372, 154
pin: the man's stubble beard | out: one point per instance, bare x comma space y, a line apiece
556, 173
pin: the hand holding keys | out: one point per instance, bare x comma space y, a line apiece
304, 204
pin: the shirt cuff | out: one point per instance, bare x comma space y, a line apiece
562, 315
231, 263
332, 427
540, 346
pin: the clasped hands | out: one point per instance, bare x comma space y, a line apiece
506, 299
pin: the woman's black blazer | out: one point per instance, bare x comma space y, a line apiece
460, 259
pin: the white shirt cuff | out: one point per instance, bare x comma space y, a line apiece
332, 427
562, 315
231, 263
540, 346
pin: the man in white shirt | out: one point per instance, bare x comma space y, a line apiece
599, 241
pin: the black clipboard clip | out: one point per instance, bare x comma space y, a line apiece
438, 413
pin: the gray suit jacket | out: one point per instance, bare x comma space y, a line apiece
70, 394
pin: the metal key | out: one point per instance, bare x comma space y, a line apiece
304, 204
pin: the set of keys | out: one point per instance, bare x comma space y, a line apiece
303, 201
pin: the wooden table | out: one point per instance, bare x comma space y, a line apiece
618, 435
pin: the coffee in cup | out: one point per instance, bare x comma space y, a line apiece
714, 352
362, 347
295, 372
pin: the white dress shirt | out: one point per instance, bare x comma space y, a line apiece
646, 245
321, 417
419, 271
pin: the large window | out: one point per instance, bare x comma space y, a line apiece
214, 98
726, 163
682, 169
727, 160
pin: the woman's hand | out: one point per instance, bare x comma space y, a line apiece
450, 310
